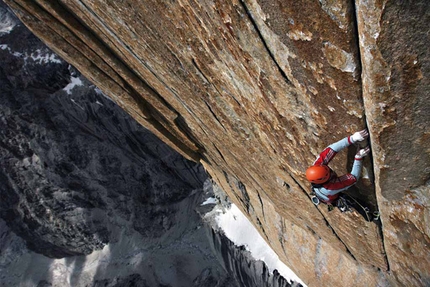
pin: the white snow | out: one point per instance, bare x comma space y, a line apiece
210, 200
4, 28
35, 267
75, 81
6, 47
239, 230
41, 58
7, 23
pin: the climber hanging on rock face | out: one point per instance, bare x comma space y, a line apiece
326, 185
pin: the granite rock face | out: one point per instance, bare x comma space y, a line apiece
91, 198
396, 70
254, 90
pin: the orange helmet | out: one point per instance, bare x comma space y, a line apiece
318, 174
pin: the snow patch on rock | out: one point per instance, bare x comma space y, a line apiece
42, 58
210, 200
241, 231
74, 81
7, 22
39, 57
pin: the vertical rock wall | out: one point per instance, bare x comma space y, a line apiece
396, 79
254, 90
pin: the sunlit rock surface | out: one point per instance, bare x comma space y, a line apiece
91, 198
396, 80
254, 90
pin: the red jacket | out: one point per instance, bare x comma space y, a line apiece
329, 190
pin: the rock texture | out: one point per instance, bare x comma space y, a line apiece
243, 266
91, 198
254, 90
396, 70
95, 198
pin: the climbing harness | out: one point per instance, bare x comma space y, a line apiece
343, 204
316, 199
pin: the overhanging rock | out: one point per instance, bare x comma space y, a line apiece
255, 90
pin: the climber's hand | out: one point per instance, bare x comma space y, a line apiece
362, 153
360, 136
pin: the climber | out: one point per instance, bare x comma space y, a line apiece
325, 183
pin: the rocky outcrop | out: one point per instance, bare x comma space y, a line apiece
396, 70
243, 266
254, 89
65, 159
95, 198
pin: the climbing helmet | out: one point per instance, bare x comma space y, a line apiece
318, 174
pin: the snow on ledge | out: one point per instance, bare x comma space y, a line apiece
210, 200
75, 81
7, 23
44, 58
241, 231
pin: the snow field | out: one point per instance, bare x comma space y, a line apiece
239, 230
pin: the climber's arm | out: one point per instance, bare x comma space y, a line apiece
356, 168
330, 152
358, 162
349, 179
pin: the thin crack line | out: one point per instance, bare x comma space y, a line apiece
380, 226
272, 56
